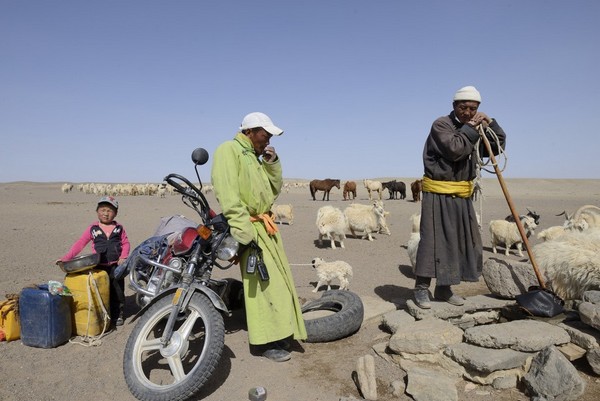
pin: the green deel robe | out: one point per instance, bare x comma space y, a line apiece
244, 187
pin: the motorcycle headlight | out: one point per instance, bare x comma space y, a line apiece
228, 248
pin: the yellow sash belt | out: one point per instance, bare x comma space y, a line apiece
266, 218
462, 189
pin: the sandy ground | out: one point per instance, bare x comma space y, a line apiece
39, 223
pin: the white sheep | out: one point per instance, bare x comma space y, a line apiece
507, 233
327, 271
66, 187
571, 262
283, 212
331, 221
415, 237
367, 218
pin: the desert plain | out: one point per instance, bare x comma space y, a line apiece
39, 223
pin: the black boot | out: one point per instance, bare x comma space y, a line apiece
421, 292
444, 293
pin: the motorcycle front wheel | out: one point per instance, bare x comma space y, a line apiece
179, 369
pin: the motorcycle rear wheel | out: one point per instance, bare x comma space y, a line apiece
178, 371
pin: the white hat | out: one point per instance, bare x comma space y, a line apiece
256, 119
467, 93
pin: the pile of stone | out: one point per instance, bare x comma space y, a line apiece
481, 342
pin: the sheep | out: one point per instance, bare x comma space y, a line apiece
66, 188
373, 186
413, 241
327, 271
571, 262
331, 221
283, 212
367, 218
507, 233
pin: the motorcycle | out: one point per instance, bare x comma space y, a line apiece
177, 342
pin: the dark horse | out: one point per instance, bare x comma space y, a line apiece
395, 188
323, 185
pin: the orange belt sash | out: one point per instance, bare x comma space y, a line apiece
266, 218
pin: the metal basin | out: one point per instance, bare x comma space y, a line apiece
80, 263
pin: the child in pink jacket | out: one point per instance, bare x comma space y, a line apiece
110, 241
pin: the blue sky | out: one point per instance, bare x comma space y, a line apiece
123, 91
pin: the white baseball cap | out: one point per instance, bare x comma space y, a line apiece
257, 119
467, 93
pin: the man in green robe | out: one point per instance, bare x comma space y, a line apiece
246, 176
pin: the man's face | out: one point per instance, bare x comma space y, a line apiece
465, 110
260, 140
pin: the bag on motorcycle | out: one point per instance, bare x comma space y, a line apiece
175, 223
153, 248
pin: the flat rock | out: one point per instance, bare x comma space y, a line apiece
486, 360
426, 336
520, 335
581, 334
443, 310
590, 314
507, 280
395, 319
553, 377
592, 296
421, 389
375, 307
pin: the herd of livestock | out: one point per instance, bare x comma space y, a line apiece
573, 269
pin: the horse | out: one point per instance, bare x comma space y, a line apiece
395, 188
349, 188
323, 185
373, 186
416, 188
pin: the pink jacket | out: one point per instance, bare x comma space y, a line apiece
86, 237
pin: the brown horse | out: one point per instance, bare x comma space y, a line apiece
323, 185
416, 188
349, 189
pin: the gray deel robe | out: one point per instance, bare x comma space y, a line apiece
450, 248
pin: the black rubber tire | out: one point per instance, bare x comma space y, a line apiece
147, 373
347, 319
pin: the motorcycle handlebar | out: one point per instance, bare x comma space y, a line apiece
190, 191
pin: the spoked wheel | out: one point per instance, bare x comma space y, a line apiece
177, 370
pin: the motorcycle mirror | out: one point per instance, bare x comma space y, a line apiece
199, 156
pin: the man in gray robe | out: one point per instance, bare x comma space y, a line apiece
450, 248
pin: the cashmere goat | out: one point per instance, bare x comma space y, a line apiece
331, 221
327, 271
283, 212
571, 262
413, 241
367, 218
507, 233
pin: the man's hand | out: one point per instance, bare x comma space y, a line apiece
269, 155
480, 118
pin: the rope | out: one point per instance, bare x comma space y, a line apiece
481, 163
86, 340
